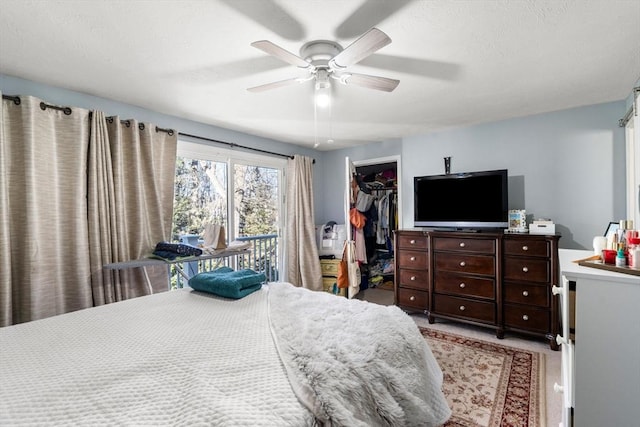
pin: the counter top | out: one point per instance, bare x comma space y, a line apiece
567, 266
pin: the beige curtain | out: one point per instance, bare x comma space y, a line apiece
131, 175
303, 264
78, 191
43, 221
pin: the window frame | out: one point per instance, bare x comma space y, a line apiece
206, 151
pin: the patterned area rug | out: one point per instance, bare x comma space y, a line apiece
489, 385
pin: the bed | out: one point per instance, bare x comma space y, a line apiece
281, 356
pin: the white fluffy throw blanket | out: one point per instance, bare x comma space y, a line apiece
374, 370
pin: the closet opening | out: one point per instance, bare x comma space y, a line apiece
377, 185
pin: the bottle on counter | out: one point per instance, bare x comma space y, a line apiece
621, 233
633, 251
621, 261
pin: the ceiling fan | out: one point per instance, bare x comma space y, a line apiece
324, 59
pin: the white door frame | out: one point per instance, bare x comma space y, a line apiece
632, 136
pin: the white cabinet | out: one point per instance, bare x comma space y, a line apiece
601, 366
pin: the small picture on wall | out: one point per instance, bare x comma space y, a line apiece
517, 220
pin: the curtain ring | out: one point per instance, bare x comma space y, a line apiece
141, 126
15, 99
110, 119
168, 131
66, 110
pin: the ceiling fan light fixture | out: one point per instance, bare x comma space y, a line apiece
323, 97
323, 88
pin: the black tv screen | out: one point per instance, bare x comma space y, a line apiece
469, 200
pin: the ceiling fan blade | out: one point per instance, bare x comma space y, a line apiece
276, 85
271, 16
367, 44
370, 82
368, 14
280, 53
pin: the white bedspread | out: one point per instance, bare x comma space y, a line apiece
176, 358
185, 358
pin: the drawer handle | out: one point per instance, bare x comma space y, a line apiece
525, 317
462, 263
462, 285
560, 340
525, 269
462, 308
413, 242
412, 258
556, 290
462, 244
558, 388
525, 293
412, 298
413, 278
525, 248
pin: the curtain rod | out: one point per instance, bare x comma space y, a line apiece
43, 106
67, 110
623, 121
234, 145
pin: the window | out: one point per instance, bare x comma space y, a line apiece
238, 190
200, 195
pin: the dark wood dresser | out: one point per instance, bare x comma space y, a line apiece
491, 279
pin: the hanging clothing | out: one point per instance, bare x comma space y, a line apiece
361, 248
383, 219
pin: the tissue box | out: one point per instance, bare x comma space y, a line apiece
542, 228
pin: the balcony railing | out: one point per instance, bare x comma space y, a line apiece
262, 257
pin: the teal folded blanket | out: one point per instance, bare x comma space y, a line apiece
226, 282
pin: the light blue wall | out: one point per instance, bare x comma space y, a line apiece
567, 166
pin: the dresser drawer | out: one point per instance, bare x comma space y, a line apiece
458, 284
527, 269
413, 259
541, 248
526, 318
412, 241
329, 267
461, 263
414, 278
461, 307
413, 298
486, 246
523, 293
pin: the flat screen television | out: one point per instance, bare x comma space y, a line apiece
469, 200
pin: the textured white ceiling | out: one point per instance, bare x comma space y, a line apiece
459, 62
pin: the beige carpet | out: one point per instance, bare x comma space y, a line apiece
487, 384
